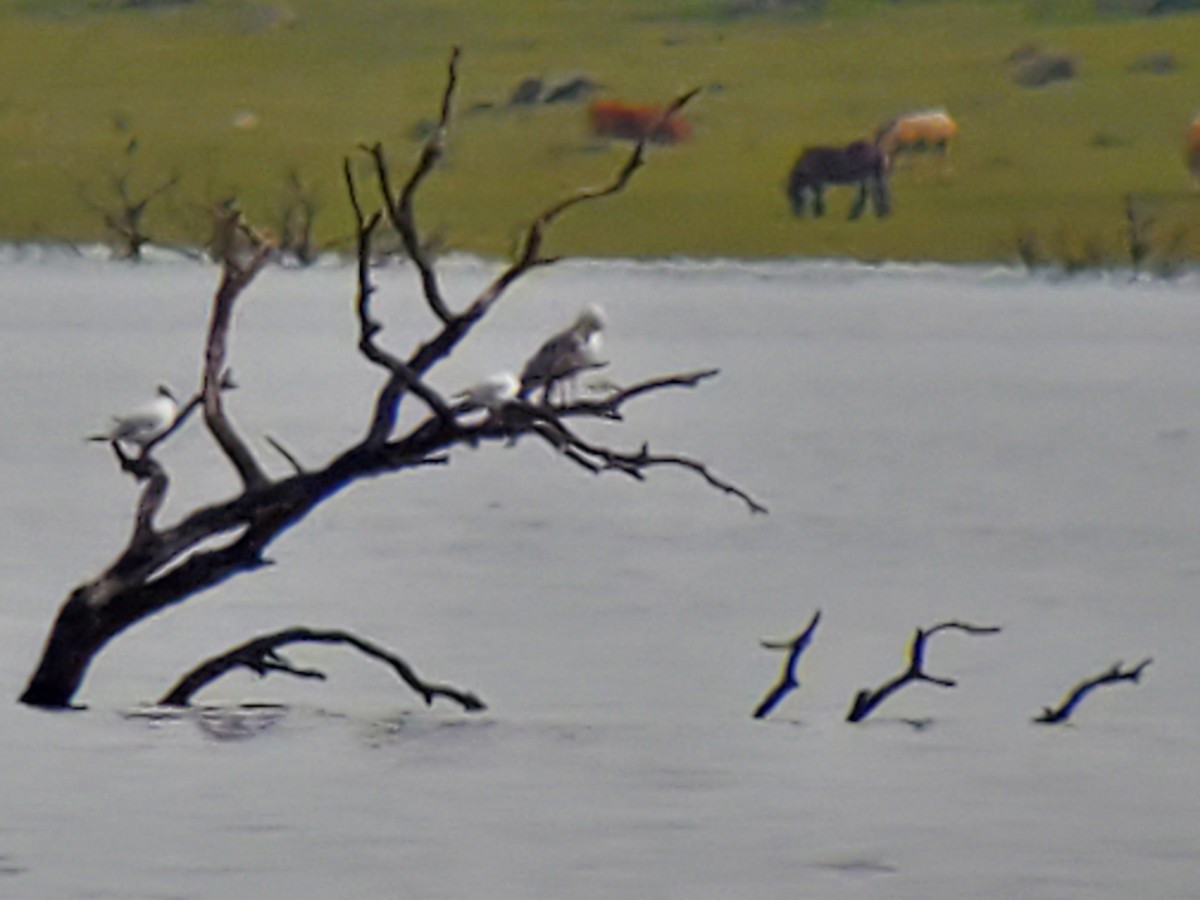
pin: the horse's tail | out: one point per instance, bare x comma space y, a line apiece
887, 142
886, 133
887, 137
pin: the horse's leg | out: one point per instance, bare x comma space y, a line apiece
860, 201
796, 196
883, 199
818, 192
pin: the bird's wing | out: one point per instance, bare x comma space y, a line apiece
542, 364
136, 423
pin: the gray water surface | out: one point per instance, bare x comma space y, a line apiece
932, 444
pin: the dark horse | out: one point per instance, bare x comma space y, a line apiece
863, 163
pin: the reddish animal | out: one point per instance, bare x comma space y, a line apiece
1193, 149
930, 129
636, 122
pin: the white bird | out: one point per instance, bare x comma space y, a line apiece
142, 425
490, 394
565, 354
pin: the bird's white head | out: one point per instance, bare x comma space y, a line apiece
590, 320
502, 387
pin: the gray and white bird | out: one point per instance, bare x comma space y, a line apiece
142, 425
490, 394
565, 355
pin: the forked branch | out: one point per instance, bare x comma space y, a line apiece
400, 209
788, 679
609, 406
403, 379
530, 254
547, 424
866, 701
1113, 675
261, 655
244, 253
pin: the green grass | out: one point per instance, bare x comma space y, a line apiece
1053, 164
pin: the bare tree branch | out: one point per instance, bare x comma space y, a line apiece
144, 468
125, 220
403, 378
610, 405
632, 464
261, 655
400, 210
1053, 716
286, 454
866, 701
530, 254
237, 273
788, 679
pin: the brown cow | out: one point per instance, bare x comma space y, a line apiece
636, 122
1192, 151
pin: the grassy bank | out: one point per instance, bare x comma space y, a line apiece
1041, 168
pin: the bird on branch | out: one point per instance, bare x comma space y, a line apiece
490, 394
565, 355
142, 425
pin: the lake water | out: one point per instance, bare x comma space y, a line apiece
932, 443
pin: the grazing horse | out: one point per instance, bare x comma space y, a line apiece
1192, 151
929, 129
636, 122
863, 163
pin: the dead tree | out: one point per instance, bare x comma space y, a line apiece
123, 215
1054, 716
865, 701
298, 210
166, 564
788, 679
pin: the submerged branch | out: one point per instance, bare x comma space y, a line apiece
1113, 675
788, 679
865, 701
261, 655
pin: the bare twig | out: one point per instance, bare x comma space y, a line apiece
261, 655
530, 253
866, 701
400, 210
610, 405
788, 679
403, 377
1053, 716
285, 453
635, 464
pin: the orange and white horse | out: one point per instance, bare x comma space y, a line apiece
929, 129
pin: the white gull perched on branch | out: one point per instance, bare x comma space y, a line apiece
142, 425
565, 354
490, 394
